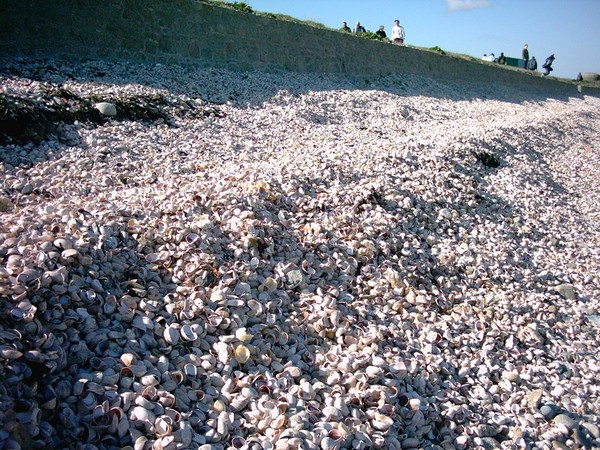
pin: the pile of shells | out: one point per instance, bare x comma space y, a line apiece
325, 264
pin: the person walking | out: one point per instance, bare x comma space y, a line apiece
525, 55
398, 33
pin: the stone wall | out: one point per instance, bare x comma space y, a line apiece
189, 31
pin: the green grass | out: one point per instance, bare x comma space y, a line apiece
242, 6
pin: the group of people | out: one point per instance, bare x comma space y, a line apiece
531, 64
398, 34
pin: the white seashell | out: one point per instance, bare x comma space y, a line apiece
69, 253
128, 359
150, 380
279, 422
163, 425
106, 108
142, 414
382, 422
306, 391
224, 421
238, 403
171, 335
140, 443
243, 335
242, 354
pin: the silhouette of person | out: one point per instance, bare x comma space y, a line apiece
548, 64
525, 55
345, 28
501, 58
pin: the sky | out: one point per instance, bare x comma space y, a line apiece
569, 29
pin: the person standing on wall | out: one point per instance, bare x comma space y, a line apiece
358, 28
525, 55
381, 32
397, 33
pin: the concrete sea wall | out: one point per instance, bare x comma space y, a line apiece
193, 32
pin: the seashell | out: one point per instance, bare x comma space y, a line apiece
242, 335
332, 414
28, 275
165, 398
224, 422
328, 443
242, 354
270, 284
152, 257
255, 308
9, 353
163, 425
150, 380
279, 422
69, 253
306, 391
382, 422
171, 335
238, 403
190, 371
142, 415
188, 333
238, 442
128, 359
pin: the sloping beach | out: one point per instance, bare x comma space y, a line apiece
279, 261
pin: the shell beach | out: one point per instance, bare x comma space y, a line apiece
209, 259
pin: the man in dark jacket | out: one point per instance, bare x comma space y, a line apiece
532, 64
548, 65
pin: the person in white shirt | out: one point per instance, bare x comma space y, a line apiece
397, 33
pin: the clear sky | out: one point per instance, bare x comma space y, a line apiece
568, 28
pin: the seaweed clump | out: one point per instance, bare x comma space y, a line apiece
25, 119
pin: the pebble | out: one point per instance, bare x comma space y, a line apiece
593, 429
487, 443
566, 291
564, 419
582, 439
548, 411
559, 445
534, 398
106, 108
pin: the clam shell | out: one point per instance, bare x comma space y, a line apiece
242, 335
242, 354
188, 333
171, 335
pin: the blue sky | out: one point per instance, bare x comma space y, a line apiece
568, 28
